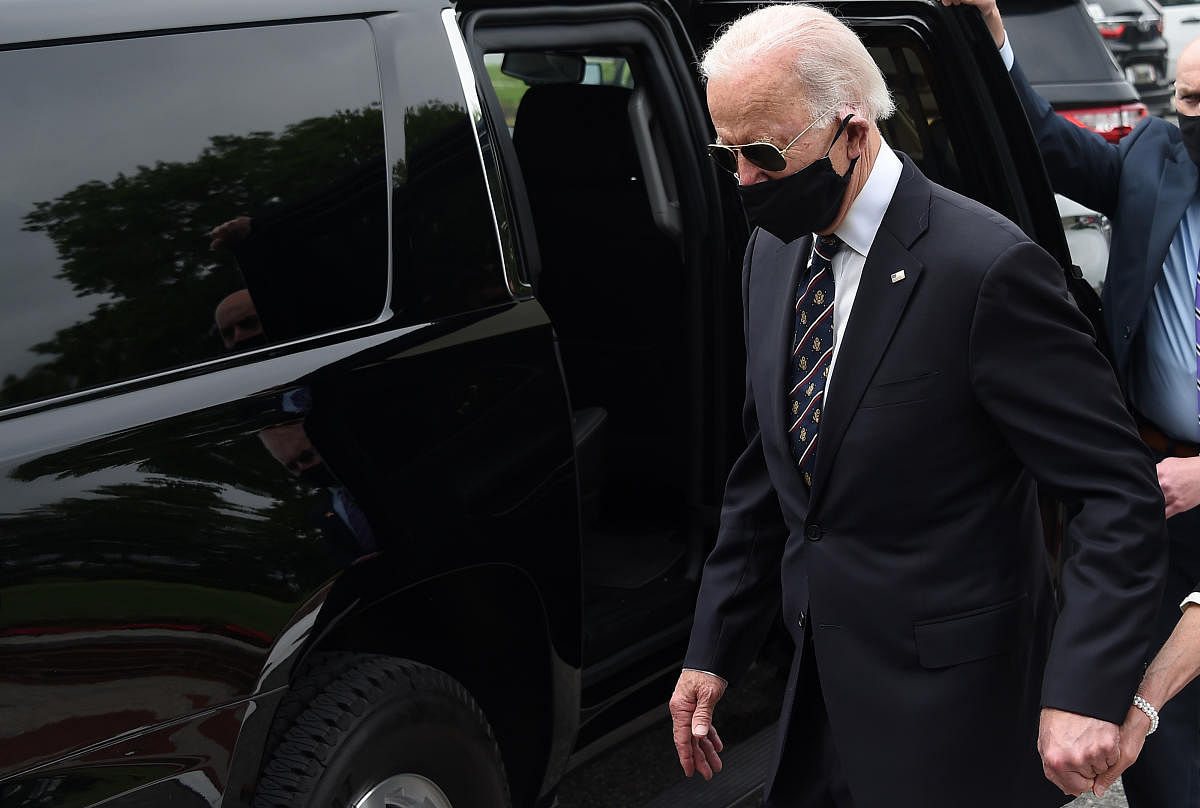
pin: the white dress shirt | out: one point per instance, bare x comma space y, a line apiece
858, 231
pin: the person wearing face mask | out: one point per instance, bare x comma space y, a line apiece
1147, 185
900, 340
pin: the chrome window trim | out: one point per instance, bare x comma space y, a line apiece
501, 219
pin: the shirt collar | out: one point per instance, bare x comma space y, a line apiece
862, 221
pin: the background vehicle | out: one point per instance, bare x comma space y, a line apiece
1066, 60
1181, 24
1088, 235
1133, 31
402, 487
1084, 84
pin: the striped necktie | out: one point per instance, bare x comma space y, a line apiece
1198, 343
812, 350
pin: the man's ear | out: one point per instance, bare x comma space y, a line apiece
858, 135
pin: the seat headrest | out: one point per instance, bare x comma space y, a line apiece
576, 132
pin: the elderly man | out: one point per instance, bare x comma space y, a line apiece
911, 372
1150, 186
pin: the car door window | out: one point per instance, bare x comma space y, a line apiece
918, 127
120, 159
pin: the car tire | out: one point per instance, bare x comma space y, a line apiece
379, 731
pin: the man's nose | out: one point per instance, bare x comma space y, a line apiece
747, 172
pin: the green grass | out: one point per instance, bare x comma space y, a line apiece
508, 90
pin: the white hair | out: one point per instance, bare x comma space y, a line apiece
833, 67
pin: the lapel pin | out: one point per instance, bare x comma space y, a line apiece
898, 276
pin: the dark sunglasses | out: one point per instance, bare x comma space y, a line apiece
766, 156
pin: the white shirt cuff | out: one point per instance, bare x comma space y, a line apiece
1006, 53
1192, 598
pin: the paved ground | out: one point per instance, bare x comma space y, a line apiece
1113, 798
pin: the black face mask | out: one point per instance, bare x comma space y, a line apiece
1189, 127
801, 203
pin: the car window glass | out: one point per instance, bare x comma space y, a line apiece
511, 87
122, 158
1038, 31
918, 127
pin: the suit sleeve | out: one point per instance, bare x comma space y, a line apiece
740, 588
1037, 372
1082, 165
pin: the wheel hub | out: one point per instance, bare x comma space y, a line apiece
405, 791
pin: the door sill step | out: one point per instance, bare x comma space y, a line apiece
739, 785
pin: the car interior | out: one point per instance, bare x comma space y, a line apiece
612, 280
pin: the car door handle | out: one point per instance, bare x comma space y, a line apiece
1190, 20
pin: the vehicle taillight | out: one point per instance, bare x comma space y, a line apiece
1112, 30
1158, 26
1112, 123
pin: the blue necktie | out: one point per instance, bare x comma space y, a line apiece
812, 350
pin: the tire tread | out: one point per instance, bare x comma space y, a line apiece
328, 700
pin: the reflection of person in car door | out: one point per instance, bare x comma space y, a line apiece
1148, 186
342, 523
237, 322
898, 428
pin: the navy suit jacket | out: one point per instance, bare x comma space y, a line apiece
1143, 184
917, 561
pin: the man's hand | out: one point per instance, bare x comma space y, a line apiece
1133, 736
1076, 750
1179, 478
696, 740
991, 15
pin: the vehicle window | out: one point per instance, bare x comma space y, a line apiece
1177, 2
176, 198
1040, 28
510, 87
917, 128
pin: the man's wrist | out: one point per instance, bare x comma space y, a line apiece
709, 673
1006, 52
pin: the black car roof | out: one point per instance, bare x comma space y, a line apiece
35, 21
47, 21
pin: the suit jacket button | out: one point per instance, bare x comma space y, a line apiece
813, 532
1127, 332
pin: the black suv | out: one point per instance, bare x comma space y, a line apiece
1133, 31
370, 377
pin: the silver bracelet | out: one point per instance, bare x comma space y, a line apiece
1150, 712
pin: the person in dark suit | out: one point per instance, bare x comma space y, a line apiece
886, 501
1147, 185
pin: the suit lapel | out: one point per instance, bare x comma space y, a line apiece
878, 307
